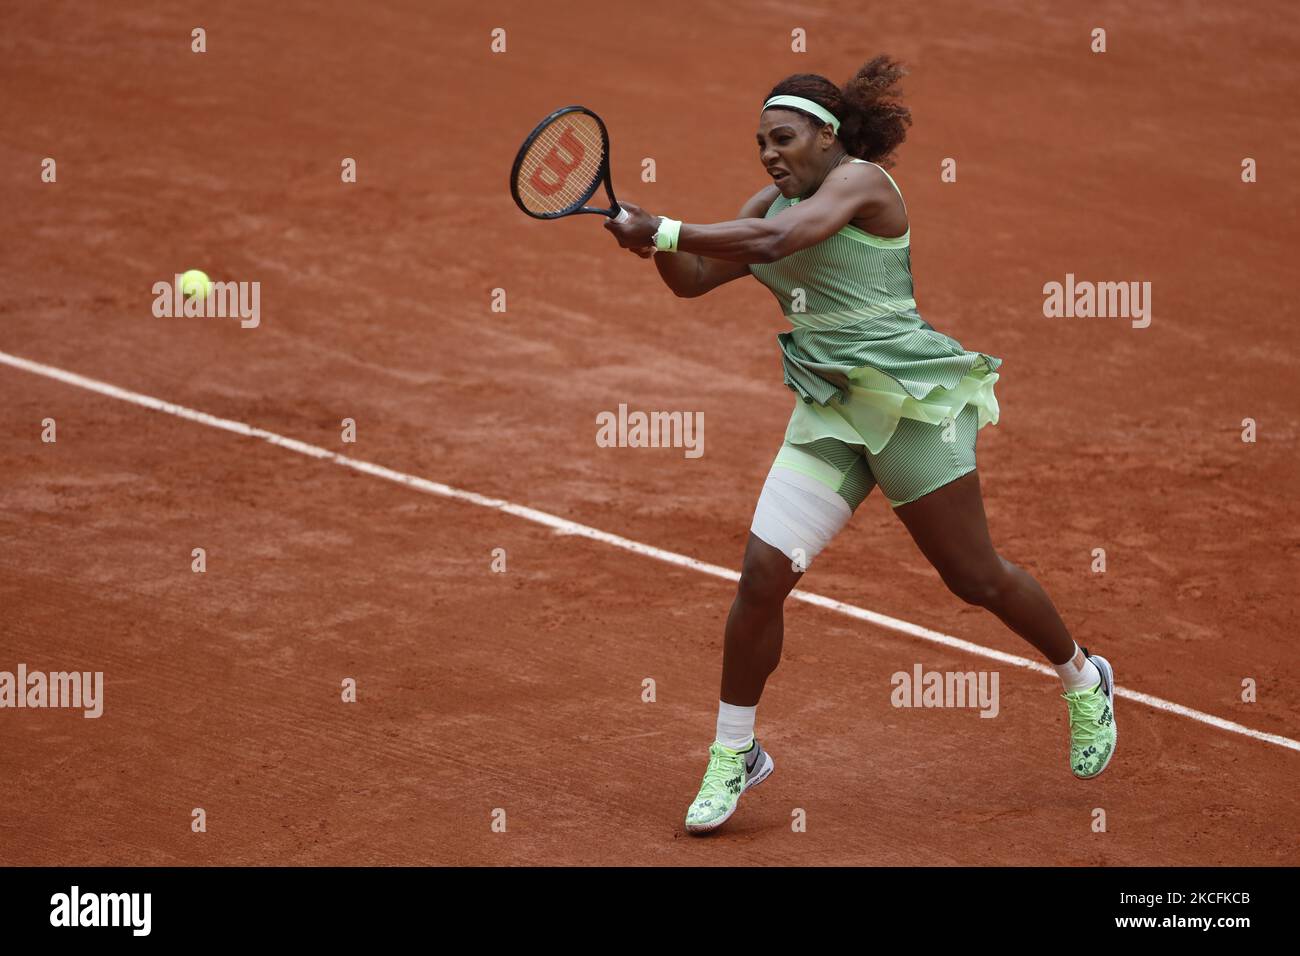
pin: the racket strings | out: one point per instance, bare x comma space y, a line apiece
561, 168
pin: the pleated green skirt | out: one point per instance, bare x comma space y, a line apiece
855, 376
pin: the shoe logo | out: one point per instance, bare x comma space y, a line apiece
734, 784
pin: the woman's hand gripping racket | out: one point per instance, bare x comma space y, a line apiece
561, 165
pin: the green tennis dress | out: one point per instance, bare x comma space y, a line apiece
859, 358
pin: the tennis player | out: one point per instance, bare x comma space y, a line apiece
881, 399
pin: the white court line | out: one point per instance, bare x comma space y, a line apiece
564, 526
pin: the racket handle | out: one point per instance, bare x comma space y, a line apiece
623, 215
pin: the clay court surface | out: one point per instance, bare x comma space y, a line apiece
523, 690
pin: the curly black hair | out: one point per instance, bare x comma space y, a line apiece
873, 120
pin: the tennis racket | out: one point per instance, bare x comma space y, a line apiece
561, 164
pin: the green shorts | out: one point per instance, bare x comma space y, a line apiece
914, 462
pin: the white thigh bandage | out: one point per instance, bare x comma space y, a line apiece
798, 515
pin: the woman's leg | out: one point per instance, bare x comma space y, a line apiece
755, 627
809, 495
932, 469
949, 527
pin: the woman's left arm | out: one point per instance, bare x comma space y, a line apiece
848, 192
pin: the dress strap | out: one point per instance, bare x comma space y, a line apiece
887, 176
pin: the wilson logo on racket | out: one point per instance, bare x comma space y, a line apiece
561, 164
552, 162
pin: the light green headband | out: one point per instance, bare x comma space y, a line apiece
808, 106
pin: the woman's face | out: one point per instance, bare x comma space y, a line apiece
787, 148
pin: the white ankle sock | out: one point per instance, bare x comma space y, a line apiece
1078, 673
735, 725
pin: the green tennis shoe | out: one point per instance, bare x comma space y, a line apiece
730, 773
1092, 723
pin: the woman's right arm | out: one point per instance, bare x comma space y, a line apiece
689, 274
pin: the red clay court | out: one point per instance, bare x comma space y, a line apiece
521, 691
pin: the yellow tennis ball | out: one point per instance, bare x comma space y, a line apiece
195, 283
